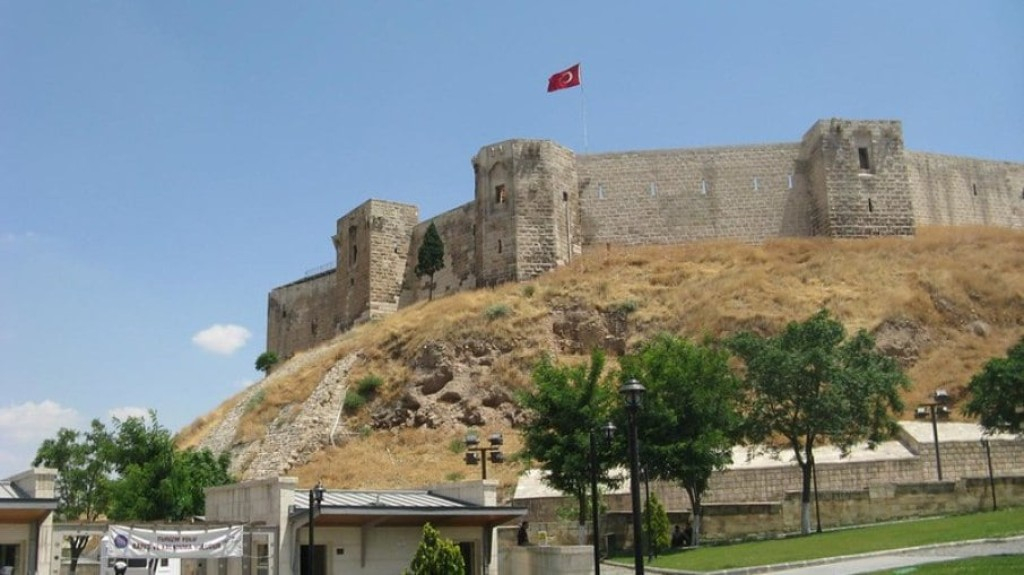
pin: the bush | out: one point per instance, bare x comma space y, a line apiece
367, 386
529, 290
497, 310
436, 555
254, 400
353, 402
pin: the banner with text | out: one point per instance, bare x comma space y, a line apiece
138, 542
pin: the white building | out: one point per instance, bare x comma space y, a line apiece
27, 503
357, 532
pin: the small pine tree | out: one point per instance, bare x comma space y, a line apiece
430, 258
436, 555
659, 536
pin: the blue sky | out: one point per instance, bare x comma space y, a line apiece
164, 165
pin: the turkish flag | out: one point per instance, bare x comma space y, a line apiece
565, 79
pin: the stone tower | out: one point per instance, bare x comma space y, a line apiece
372, 246
858, 178
527, 209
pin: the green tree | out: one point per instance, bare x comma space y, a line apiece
656, 522
436, 555
811, 384
997, 393
567, 403
430, 258
82, 480
690, 419
266, 361
132, 473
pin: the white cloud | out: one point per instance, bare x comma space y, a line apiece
123, 413
222, 339
24, 427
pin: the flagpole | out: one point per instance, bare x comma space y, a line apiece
583, 111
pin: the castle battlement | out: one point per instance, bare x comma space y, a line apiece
536, 205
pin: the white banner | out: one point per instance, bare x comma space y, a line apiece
141, 543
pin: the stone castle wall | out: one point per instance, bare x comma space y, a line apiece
302, 314
954, 191
748, 193
537, 204
456, 229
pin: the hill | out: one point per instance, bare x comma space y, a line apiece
942, 303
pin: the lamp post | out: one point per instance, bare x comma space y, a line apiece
316, 499
633, 393
938, 403
476, 453
991, 477
608, 430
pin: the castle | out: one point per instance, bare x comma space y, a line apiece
537, 205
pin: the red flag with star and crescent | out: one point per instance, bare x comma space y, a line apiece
565, 79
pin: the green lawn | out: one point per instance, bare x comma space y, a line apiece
976, 566
847, 542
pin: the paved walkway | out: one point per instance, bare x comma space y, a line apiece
865, 563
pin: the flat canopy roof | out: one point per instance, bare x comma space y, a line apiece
17, 507
400, 509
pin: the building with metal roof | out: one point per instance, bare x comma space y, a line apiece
359, 531
27, 503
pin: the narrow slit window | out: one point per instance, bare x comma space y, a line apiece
871, 206
704, 187
565, 196
756, 188
653, 189
600, 191
500, 196
974, 189
790, 178
499, 246
862, 155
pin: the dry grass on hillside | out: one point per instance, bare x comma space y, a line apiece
938, 282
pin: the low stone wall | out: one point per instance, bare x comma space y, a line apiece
544, 560
837, 508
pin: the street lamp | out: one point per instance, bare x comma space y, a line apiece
609, 431
633, 395
316, 499
938, 405
991, 477
476, 453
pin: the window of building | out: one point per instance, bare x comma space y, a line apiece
755, 185
499, 246
653, 189
565, 196
871, 206
500, 196
862, 155
704, 187
974, 189
600, 191
790, 177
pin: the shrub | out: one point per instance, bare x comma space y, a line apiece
254, 400
367, 386
529, 290
496, 311
353, 402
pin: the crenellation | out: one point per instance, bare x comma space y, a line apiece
536, 205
